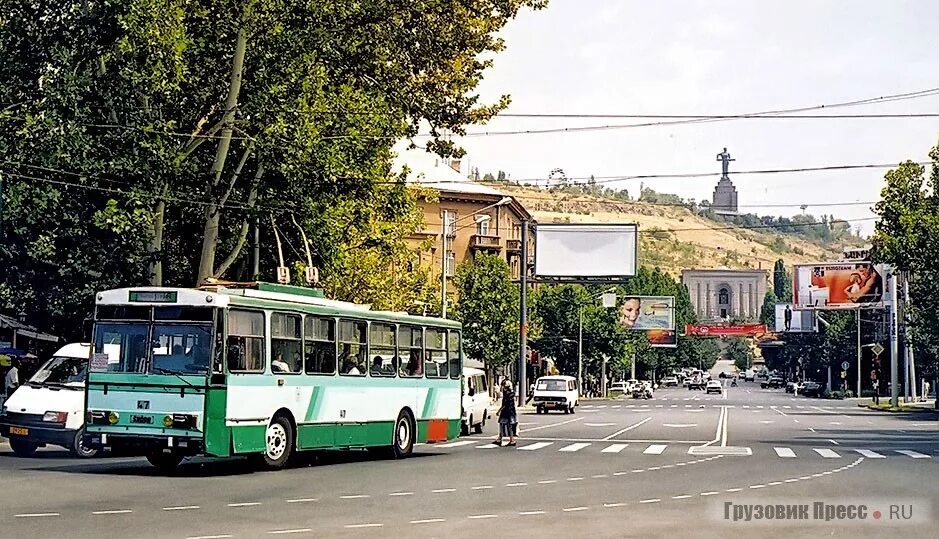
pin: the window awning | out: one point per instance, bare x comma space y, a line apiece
24, 330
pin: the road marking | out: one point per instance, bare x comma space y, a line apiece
428, 521
834, 442
834, 422
36, 515
401, 494
710, 493
552, 425
811, 429
572, 509
223, 536
529, 513
478, 517
536, 446
458, 443
784, 452
490, 445
793, 480
600, 476
516, 484
599, 424
913, 454
766, 421
359, 526
482, 487
112, 512
547, 482
774, 483
348, 497
286, 532
614, 504
787, 407
655, 449
445, 490
827, 453
780, 412
616, 406
573, 447
651, 500
682, 497
733, 490
187, 507
757, 486
629, 428
679, 425
575, 478
614, 448
252, 504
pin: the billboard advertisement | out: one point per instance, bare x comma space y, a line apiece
792, 320
588, 251
839, 285
724, 330
655, 315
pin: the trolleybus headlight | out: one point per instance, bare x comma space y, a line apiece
55, 417
167, 421
113, 418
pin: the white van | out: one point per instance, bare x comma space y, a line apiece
50, 407
557, 392
476, 401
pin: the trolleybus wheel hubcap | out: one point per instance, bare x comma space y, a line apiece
276, 441
404, 433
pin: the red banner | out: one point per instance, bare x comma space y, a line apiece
739, 330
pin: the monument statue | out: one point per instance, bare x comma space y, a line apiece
725, 160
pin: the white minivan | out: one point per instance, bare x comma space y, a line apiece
476, 401
50, 407
557, 392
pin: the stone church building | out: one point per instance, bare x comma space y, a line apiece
725, 294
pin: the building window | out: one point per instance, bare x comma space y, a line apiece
451, 263
723, 297
449, 222
482, 227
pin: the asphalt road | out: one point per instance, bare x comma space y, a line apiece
624, 468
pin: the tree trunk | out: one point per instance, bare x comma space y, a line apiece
213, 208
245, 228
156, 241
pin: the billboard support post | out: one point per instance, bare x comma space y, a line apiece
894, 345
523, 318
858, 353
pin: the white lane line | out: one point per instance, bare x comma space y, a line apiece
757, 486
352, 497
482, 487
614, 504
428, 521
573, 509
535, 446
573, 447
655, 449
222, 536
575, 478
251, 504
679, 425
599, 424
811, 429
112, 512
36, 515
401, 494
834, 442
774, 483
443, 490
651, 500
627, 429
709, 493
480, 517
356, 526
733, 490
458, 443
516, 484
682, 497
827, 453
287, 532
600, 476
547, 482
552, 425
529, 513
793, 480
914, 454
614, 448
785, 452
185, 507
490, 445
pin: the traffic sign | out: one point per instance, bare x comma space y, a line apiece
877, 349
845, 365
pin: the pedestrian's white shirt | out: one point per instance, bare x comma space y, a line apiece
13, 378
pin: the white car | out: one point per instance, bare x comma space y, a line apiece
475, 400
713, 385
631, 384
618, 386
50, 407
670, 381
555, 392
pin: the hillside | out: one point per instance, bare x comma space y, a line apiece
672, 237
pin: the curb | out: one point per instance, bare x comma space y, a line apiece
898, 409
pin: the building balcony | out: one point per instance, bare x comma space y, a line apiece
483, 242
513, 246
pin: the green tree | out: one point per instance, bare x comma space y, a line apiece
782, 282
739, 352
488, 306
768, 311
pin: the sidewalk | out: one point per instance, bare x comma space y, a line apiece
884, 406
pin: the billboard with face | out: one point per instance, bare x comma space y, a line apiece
655, 315
843, 285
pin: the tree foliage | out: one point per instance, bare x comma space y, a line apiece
488, 306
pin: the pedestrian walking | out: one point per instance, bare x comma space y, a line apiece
12, 380
508, 417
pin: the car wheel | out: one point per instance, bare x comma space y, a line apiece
23, 448
78, 448
278, 444
403, 441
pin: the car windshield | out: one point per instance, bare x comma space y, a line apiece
59, 370
161, 348
551, 385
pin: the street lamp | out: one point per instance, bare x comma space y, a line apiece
446, 223
580, 339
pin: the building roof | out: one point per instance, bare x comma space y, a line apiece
429, 170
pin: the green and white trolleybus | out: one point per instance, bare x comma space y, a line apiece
265, 370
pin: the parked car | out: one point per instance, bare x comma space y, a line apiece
475, 400
714, 386
618, 387
774, 382
557, 392
749, 376
811, 389
793, 387
670, 381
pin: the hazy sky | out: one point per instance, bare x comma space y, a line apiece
717, 57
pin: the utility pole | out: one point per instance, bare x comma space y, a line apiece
894, 345
523, 318
445, 231
256, 256
580, 350
858, 395
910, 385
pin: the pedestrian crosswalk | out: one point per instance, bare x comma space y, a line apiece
700, 400
612, 449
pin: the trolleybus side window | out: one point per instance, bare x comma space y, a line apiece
411, 341
319, 335
435, 358
352, 339
382, 350
286, 347
453, 345
245, 341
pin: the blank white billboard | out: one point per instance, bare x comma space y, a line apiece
585, 251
